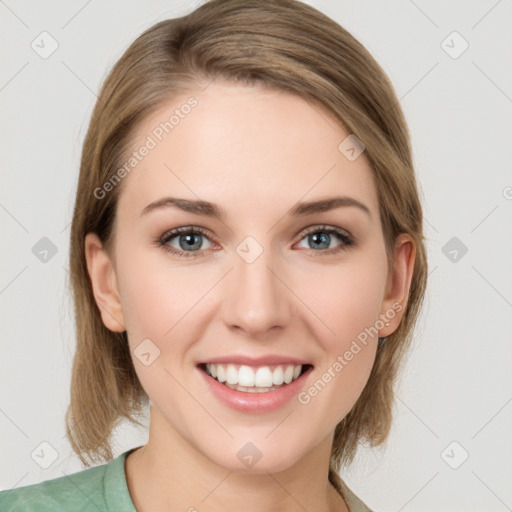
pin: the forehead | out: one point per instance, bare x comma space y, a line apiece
249, 146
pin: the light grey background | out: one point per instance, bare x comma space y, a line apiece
457, 383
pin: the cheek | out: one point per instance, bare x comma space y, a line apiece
346, 298
348, 303
158, 299
145, 304
159, 305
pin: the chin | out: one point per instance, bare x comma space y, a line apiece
255, 458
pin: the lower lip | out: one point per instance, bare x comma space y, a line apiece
255, 402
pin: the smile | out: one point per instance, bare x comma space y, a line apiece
260, 379
253, 387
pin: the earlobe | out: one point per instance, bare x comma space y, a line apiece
104, 283
398, 285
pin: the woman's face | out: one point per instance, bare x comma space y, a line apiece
269, 277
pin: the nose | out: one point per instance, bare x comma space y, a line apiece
257, 301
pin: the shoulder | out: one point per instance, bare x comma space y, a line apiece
69, 492
86, 491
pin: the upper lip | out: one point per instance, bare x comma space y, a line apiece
266, 360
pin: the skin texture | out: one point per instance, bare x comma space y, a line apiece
255, 153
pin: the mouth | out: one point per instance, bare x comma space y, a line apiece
254, 379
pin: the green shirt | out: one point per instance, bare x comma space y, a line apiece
98, 489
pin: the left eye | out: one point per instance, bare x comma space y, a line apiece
322, 239
189, 241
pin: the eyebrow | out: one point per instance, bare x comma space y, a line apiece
208, 209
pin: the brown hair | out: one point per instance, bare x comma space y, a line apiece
285, 45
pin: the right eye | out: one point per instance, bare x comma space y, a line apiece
185, 241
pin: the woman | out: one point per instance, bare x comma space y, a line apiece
246, 256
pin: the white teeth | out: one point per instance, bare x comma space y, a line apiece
231, 375
288, 374
248, 377
278, 375
263, 377
219, 370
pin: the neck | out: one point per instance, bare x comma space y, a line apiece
168, 473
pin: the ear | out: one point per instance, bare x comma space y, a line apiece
398, 284
104, 283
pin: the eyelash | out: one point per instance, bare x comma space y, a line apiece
346, 240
